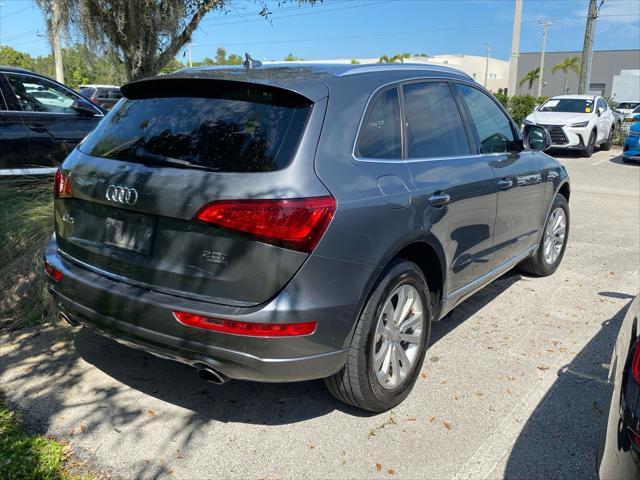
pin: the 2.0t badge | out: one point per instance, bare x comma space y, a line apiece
121, 194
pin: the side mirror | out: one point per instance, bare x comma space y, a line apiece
84, 108
536, 137
600, 111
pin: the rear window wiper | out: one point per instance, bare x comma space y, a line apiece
147, 156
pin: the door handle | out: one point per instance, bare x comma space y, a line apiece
439, 199
38, 128
505, 183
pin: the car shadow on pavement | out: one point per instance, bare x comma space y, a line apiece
472, 305
618, 160
179, 384
560, 438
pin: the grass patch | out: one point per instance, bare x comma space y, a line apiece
26, 222
30, 457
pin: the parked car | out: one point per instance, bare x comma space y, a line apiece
578, 122
104, 95
41, 121
619, 447
289, 223
625, 108
631, 148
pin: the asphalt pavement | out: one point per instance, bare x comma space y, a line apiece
512, 385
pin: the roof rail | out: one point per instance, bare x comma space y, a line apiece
379, 67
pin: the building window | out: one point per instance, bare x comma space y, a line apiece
492, 76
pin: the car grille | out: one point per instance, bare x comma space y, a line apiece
557, 134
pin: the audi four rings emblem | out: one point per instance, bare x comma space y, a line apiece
123, 195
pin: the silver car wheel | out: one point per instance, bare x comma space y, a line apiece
398, 336
554, 235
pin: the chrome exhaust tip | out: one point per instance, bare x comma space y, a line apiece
210, 375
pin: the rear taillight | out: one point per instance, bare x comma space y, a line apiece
62, 185
635, 362
295, 223
52, 271
250, 329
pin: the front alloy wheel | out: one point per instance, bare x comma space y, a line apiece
554, 235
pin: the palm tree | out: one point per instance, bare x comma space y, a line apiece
530, 77
567, 64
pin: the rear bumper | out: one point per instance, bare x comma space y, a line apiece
324, 290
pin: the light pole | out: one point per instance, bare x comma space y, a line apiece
587, 46
545, 26
515, 49
486, 65
191, 44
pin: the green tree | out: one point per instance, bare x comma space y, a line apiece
221, 56
142, 35
567, 65
354, 61
530, 78
397, 57
292, 58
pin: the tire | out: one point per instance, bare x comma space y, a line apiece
539, 263
588, 150
606, 146
357, 383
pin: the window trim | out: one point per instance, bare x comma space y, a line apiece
5, 74
371, 100
471, 139
514, 130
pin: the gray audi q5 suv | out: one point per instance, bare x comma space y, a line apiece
295, 222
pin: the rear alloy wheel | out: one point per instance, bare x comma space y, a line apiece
553, 242
588, 151
389, 343
606, 146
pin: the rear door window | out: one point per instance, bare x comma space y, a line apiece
434, 124
233, 129
380, 134
35, 94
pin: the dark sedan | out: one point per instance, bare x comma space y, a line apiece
619, 452
41, 121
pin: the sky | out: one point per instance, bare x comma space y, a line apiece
370, 28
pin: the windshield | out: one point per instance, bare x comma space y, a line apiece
628, 105
570, 105
237, 130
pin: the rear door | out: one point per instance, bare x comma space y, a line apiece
47, 109
142, 180
14, 134
455, 187
519, 175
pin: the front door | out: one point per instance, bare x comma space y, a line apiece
518, 174
455, 187
14, 136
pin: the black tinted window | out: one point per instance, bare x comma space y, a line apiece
87, 92
434, 124
237, 129
35, 94
602, 104
380, 131
492, 125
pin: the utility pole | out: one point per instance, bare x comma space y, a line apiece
191, 45
515, 49
56, 42
486, 65
587, 46
545, 26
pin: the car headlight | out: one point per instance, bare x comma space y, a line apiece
579, 125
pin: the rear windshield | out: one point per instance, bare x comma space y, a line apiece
569, 105
238, 129
628, 105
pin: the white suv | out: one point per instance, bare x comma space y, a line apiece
579, 122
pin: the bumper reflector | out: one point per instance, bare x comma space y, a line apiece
52, 271
249, 329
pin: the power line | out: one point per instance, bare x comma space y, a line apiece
15, 11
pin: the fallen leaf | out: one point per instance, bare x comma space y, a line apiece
424, 376
83, 427
71, 432
479, 394
447, 425
411, 419
117, 430
378, 467
151, 413
443, 382
391, 471
432, 419
455, 397
312, 446
543, 367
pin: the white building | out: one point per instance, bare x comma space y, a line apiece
472, 65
